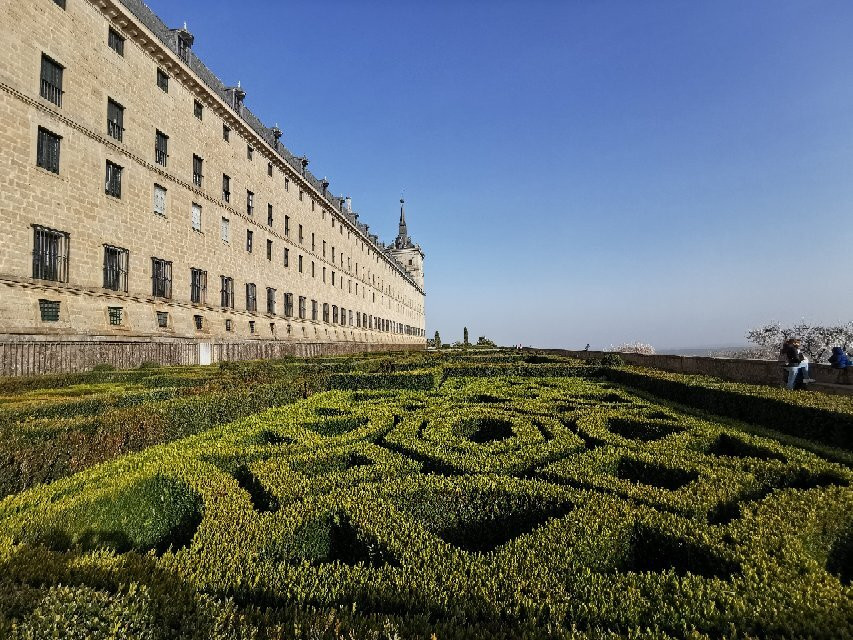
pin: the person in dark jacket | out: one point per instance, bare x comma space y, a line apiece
841, 361
791, 357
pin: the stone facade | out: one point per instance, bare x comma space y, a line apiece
115, 56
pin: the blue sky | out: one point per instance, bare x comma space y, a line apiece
576, 171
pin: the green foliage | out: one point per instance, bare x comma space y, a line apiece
612, 360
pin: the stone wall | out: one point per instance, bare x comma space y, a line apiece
82, 353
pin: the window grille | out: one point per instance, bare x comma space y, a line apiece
162, 319
269, 249
302, 307
183, 49
199, 322
226, 188
229, 325
161, 278
226, 292
270, 300
325, 312
224, 230
198, 286
249, 239
314, 310
197, 167
288, 304
47, 154
300, 264
343, 316
116, 262
115, 42
301, 237
269, 215
313, 248
251, 326
115, 314
286, 257
251, 297
159, 200
112, 184
286, 183
198, 109
163, 80
287, 226
196, 214
50, 254
334, 314
250, 202
51, 80
115, 120
49, 310
161, 148
226, 132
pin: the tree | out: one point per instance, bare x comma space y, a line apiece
632, 347
815, 341
437, 341
465, 336
483, 341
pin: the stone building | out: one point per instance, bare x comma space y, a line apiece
148, 214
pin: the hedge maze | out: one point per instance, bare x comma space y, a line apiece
484, 506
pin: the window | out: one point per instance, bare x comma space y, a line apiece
162, 319
196, 217
313, 270
269, 169
226, 132
269, 215
198, 109
50, 254
115, 120
159, 200
325, 312
335, 314
272, 327
49, 310
199, 322
313, 248
301, 237
47, 150
161, 148
229, 325
287, 226
59, 3
300, 264
116, 262
269, 249
198, 286
115, 314
251, 297
115, 41
223, 229
251, 326
51, 80
270, 300
286, 257
249, 237
250, 152
314, 310
226, 292
163, 80
343, 316
198, 164
324, 248
183, 49
302, 307
288, 304
250, 202
226, 187
324, 274
333, 278
286, 183
300, 195
312, 204
113, 180
161, 278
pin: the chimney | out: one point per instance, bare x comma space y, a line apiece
325, 184
304, 160
349, 204
276, 133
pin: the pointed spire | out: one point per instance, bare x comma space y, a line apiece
402, 240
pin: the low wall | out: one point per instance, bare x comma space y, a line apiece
40, 355
767, 372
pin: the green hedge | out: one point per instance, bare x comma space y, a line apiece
826, 419
353, 381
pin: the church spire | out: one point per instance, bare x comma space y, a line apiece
403, 231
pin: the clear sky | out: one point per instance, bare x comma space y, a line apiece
576, 171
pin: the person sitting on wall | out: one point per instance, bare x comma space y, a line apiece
840, 361
804, 363
792, 356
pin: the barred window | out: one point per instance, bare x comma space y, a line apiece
49, 310
324, 274
250, 202
226, 187
286, 183
226, 292
198, 164
270, 300
288, 304
286, 257
325, 312
335, 314
300, 264
249, 239
251, 326
229, 324
183, 49
161, 148
116, 262
162, 319
313, 247
269, 215
161, 278
343, 316
115, 41
51, 80
198, 109
115, 120
314, 310
112, 184
47, 150
302, 307
115, 315
198, 286
287, 226
301, 237
159, 200
196, 217
163, 80
224, 230
251, 297
269, 249
50, 254
313, 270
350, 317
199, 322
226, 132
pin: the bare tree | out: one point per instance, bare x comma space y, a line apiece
816, 341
